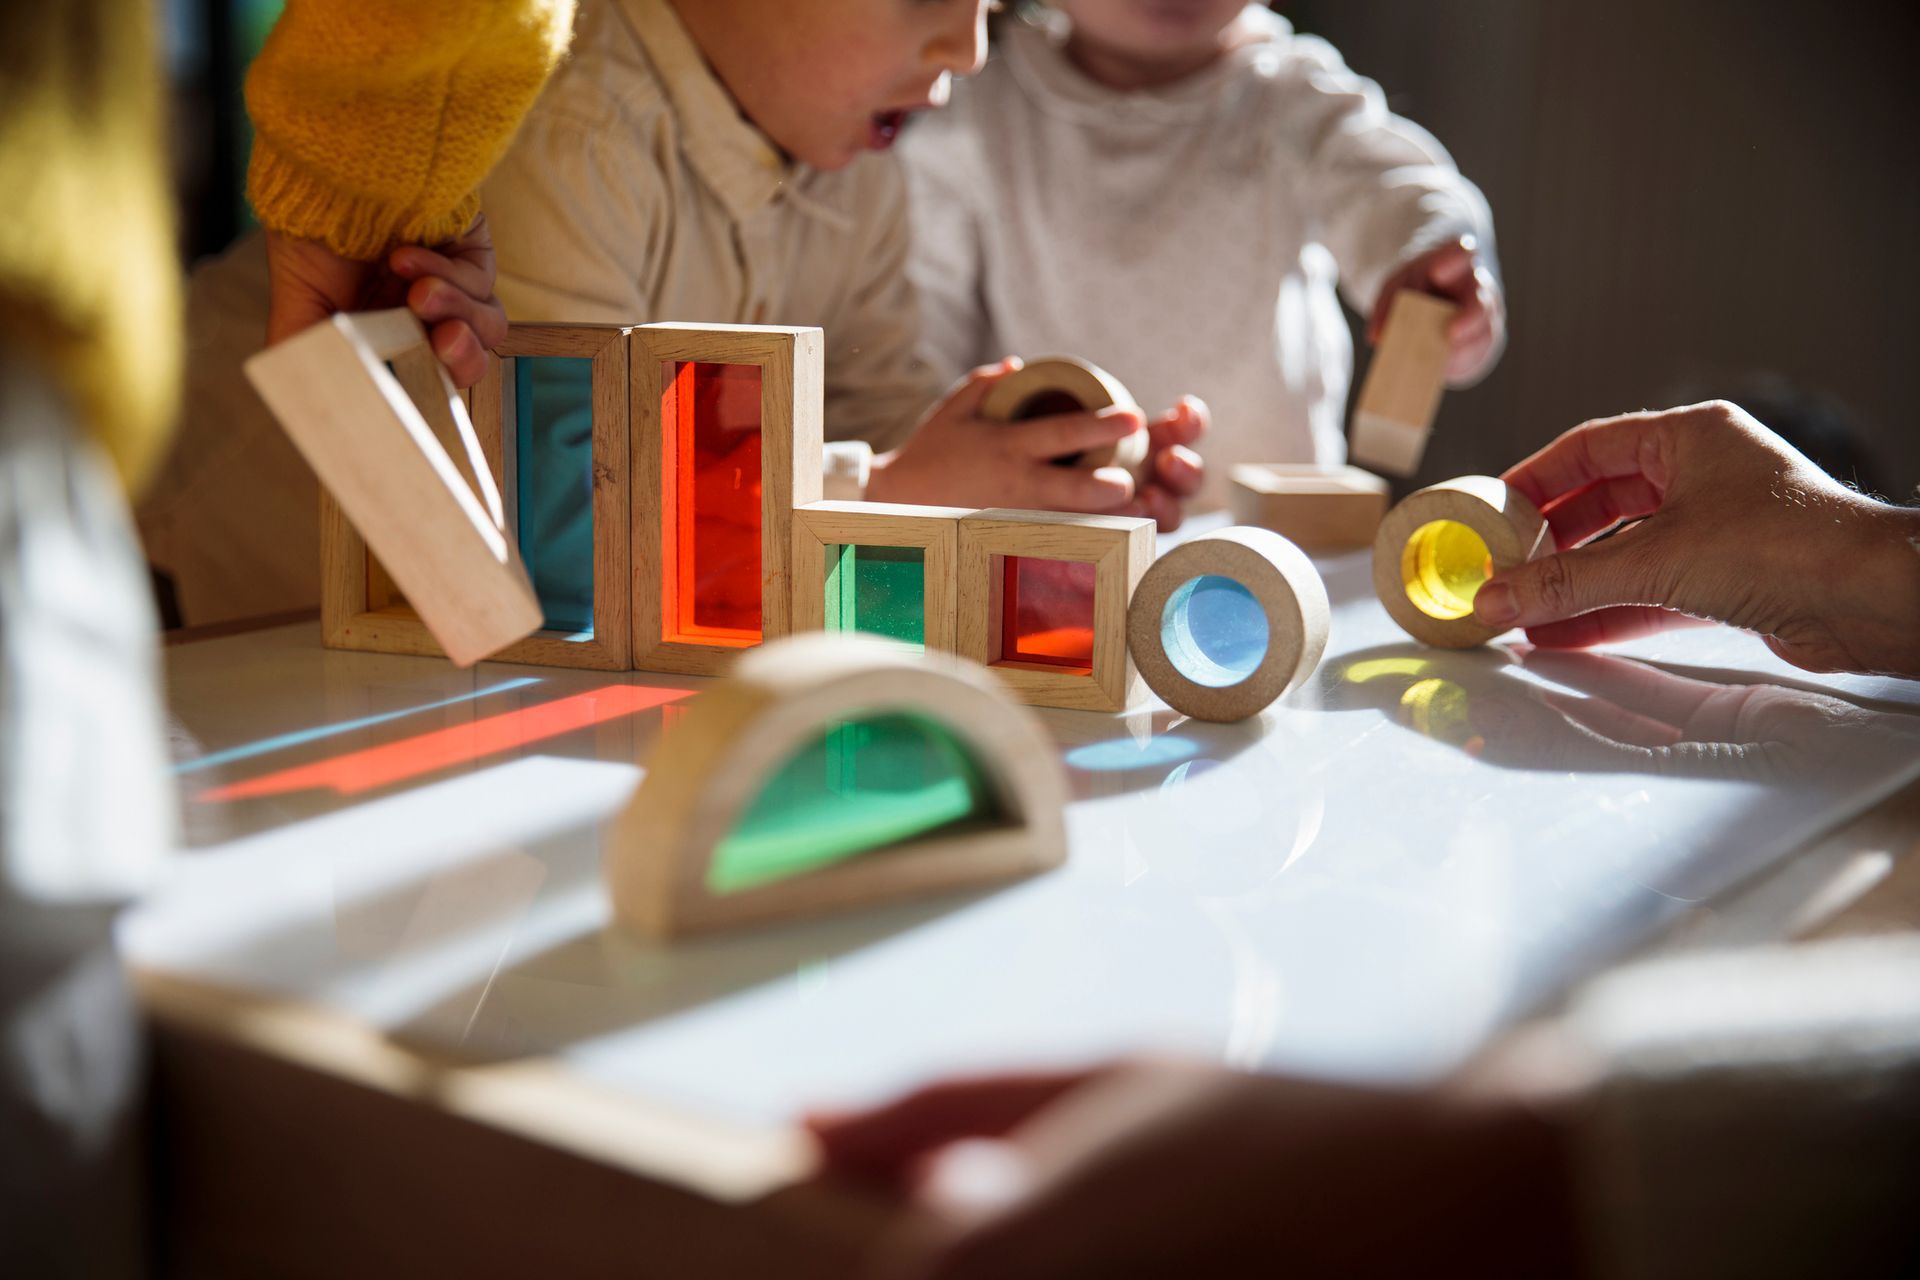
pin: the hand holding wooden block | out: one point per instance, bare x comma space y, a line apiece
1438, 547
409, 473
1314, 507
1062, 384
1397, 404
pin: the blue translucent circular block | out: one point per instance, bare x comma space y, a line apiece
1214, 631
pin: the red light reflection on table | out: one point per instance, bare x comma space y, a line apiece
411, 757
1046, 613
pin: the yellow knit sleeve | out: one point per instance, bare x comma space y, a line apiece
375, 120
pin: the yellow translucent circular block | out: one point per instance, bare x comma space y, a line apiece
1440, 546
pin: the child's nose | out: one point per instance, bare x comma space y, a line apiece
961, 48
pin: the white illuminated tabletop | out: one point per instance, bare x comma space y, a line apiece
1364, 883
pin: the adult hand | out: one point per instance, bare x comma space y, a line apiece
1734, 525
1154, 1169
450, 289
958, 458
1452, 272
1172, 472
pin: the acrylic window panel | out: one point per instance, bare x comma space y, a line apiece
552, 484
1047, 613
878, 590
711, 503
863, 784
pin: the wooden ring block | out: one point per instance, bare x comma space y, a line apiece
1290, 594
1426, 571
1316, 508
736, 736
1087, 385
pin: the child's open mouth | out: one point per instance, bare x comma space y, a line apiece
886, 128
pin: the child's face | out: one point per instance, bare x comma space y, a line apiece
828, 79
1151, 30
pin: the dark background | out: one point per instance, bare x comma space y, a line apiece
1694, 198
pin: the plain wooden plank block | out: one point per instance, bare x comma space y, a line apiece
358, 610
1316, 508
1039, 387
713, 764
1170, 653
1119, 548
792, 390
934, 530
1425, 572
406, 474
1395, 413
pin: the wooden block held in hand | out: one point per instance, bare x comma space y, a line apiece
1062, 384
1317, 508
408, 473
684, 858
1439, 546
1230, 656
1404, 383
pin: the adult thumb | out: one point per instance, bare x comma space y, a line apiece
1565, 586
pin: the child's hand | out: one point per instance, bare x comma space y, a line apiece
1172, 472
450, 290
956, 458
1454, 273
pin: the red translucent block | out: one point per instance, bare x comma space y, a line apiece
1046, 614
710, 506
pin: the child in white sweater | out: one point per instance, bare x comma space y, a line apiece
1173, 191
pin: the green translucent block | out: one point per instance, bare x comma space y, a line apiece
881, 590
863, 784
553, 469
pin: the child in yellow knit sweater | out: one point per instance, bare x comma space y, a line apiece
703, 162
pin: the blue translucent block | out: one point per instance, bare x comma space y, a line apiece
1214, 631
553, 452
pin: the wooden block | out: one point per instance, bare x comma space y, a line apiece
1225, 624
1316, 508
1402, 392
822, 527
1062, 384
408, 473
366, 618
1057, 666
1438, 547
689, 461
666, 863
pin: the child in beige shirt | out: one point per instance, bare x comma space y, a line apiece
1174, 192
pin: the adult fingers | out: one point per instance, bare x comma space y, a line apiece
1605, 449
1570, 584
1599, 507
1610, 626
1061, 434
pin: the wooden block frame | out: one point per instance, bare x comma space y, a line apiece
358, 610
1314, 507
1398, 401
365, 400
792, 390
713, 764
1120, 549
934, 530
1291, 597
1511, 527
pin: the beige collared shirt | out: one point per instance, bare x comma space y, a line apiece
636, 191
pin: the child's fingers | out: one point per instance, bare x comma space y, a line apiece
1186, 422
411, 262
434, 301
1180, 470
970, 392
1061, 434
1155, 503
460, 351
1075, 489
